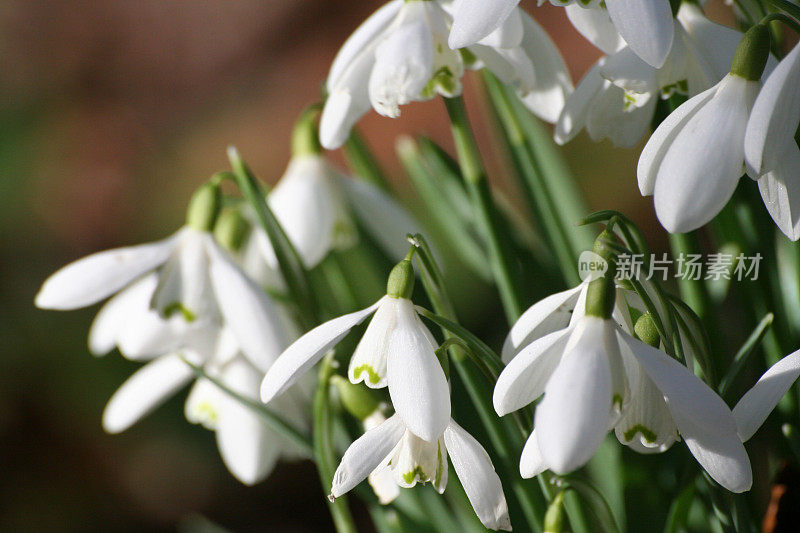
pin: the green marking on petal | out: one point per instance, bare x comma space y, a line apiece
443, 82
417, 473
648, 434
177, 307
439, 465
617, 401
372, 376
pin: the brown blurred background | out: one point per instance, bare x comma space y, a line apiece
111, 114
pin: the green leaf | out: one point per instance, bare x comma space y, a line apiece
741, 357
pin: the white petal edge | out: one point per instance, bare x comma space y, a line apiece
646, 25
365, 454
531, 462
144, 391
758, 402
475, 19
478, 477
95, 277
306, 351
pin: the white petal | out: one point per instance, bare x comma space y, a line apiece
628, 71
775, 117
475, 19
368, 363
386, 221
646, 25
573, 417
113, 316
576, 109
619, 116
310, 208
685, 392
247, 445
692, 188
307, 350
419, 461
525, 377
183, 286
477, 476
361, 43
417, 384
714, 43
780, 190
596, 26
144, 391
404, 64
94, 278
383, 485
552, 84
343, 108
658, 144
509, 34
758, 402
721, 455
646, 425
365, 454
252, 317
542, 318
531, 463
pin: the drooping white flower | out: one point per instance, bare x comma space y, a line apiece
617, 98
646, 25
248, 446
397, 351
590, 376
391, 445
771, 152
400, 55
194, 280
317, 206
690, 188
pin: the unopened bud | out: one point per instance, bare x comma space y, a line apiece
645, 328
359, 401
231, 230
204, 207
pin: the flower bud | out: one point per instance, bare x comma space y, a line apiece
752, 54
231, 229
401, 280
305, 135
554, 517
646, 330
359, 401
204, 207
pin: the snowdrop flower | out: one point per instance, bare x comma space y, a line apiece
770, 149
690, 188
194, 280
411, 459
646, 25
246, 443
397, 351
617, 97
590, 374
400, 55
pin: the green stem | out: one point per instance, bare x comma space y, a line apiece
542, 205
781, 17
693, 291
324, 449
485, 210
362, 162
788, 7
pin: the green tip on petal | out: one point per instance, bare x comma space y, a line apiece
204, 207
401, 280
648, 434
231, 230
752, 53
305, 135
359, 401
646, 330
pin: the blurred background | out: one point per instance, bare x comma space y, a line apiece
111, 114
